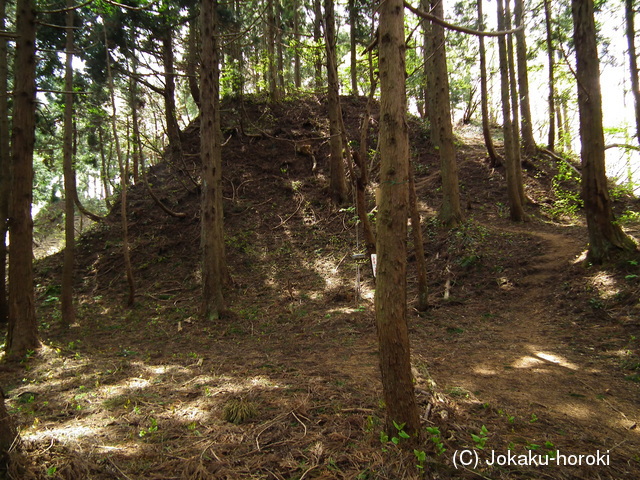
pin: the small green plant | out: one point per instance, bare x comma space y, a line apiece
534, 418
239, 410
421, 458
436, 439
384, 438
152, 428
481, 439
51, 471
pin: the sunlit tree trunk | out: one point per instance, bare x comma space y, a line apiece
317, 39
192, 62
67, 310
427, 58
391, 286
337, 180
633, 59
511, 153
418, 247
22, 333
552, 89
353, 72
5, 170
484, 93
526, 124
605, 235
450, 213
212, 231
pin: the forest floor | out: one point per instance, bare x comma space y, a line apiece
524, 349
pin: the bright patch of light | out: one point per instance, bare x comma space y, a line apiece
550, 357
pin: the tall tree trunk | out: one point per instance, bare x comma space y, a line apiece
279, 50
353, 20
511, 153
22, 333
450, 213
391, 286
173, 129
133, 105
123, 185
337, 180
528, 142
484, 93
272, 73
212, 231
552, 88
427, 58
515, 119
67, 310
605, 236
104, 169
418, 247
5, 168
193, 62
297, 75
633, 60
317, 40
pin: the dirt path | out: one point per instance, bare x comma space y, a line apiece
519, 357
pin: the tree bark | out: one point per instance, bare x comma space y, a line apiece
353, 20
173, 129
552, 89
123, 186
8, 434
317, 39
297, 75
192, 63
418, 246
272, 73
633, 60
5, 168
450, 213
337, 180
22, 333
605, 236
67, 309
212, 230
528, 142
391, 288
510, 146
484, 94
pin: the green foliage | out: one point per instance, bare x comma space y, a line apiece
565, 187
436, 439
481, 439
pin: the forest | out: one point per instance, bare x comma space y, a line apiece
313, 239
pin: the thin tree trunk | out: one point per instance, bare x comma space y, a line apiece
133, 105
173, 129
605, 235
192, 63
515, 119
123, 187
212, 231
450, 213
484, 94
510, 146
22, 334
5, 168
353, 20
279, 50
633, 60
552, 89
418, 247
317, 39
67, 309
297, 76
391, 286
528, 142
429, 84
104, 170
272, 74
337, 181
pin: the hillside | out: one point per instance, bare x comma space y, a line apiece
531, 344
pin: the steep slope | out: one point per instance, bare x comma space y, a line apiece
525, 343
